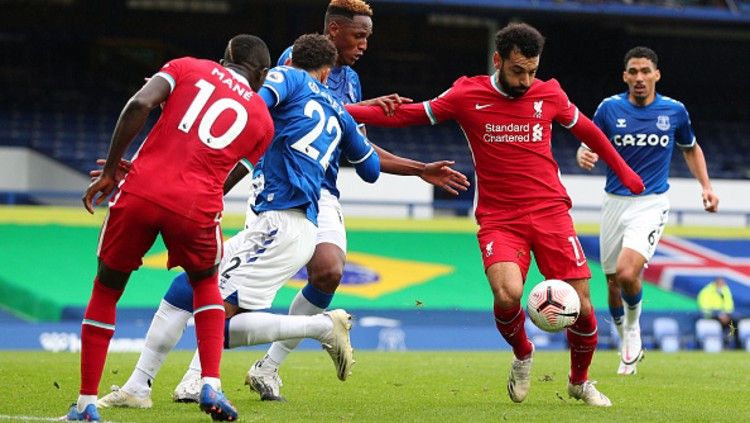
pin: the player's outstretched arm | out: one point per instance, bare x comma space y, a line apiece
437, 173
404, 115
696, 162
443, 176
586, 158
585, 130
129, 124
388, 103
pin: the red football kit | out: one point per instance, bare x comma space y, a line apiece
210, 121
521, 202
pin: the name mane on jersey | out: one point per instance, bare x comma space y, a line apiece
227, 79
641, 140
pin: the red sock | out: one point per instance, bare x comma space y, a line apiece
509, 323
209, 324
582, 338
96, 331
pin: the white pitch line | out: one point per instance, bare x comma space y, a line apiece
38, 418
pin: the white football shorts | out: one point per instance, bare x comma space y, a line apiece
259, 260
331, 227
633, 222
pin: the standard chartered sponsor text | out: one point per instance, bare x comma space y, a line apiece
509, 132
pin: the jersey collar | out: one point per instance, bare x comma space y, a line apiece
238, 76
496, 85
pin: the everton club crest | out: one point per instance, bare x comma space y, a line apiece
662, 122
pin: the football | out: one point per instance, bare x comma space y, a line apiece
553, 305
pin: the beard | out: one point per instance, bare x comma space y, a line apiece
512, 91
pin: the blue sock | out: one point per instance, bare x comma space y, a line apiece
316, 297
633, 300
617, 313
180, 293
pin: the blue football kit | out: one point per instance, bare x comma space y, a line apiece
645, 137
311, 128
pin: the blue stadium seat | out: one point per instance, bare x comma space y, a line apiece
667, 334
708, 333
743, 329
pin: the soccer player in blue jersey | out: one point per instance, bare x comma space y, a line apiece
348, 23
644, 127
310, 124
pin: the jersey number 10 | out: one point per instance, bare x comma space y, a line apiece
213, 113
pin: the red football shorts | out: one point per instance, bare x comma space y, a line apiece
131, 227
548, 232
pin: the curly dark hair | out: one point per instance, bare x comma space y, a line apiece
313, 51
641, 52
521, 36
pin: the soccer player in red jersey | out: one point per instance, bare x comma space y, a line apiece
522, 206
211, 119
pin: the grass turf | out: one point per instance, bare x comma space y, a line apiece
405, 386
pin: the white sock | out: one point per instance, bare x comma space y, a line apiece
260, 328
194, 370
215, 382
300, 306
85, 400
618, 327
633, 314
166, 329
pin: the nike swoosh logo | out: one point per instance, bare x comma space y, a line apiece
482, 106
580, 263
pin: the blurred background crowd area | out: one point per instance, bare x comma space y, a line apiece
70, 65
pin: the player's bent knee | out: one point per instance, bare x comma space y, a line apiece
111, 278
326, 280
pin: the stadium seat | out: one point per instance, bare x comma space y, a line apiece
709, 335
667, 334
743, 328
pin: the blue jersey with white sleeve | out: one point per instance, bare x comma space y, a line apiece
645, 138
310, 126
345, 86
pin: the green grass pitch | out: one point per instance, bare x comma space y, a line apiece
405, 386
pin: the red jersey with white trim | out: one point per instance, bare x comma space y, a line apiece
210, 121
510, 140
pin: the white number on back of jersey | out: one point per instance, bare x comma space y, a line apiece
314, 110
213, 113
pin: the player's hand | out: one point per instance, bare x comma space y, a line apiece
443, 176
632, 181
102, 185
389, 103
586, 158
710, 201
122, 169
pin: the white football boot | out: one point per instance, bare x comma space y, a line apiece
265, 380
588, 393
189, 389
338, 343
631, 350
120, 398
519, 380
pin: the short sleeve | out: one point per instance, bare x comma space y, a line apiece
355, 146
600, 117
567, 112
172, 70
278, 81
684, 135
